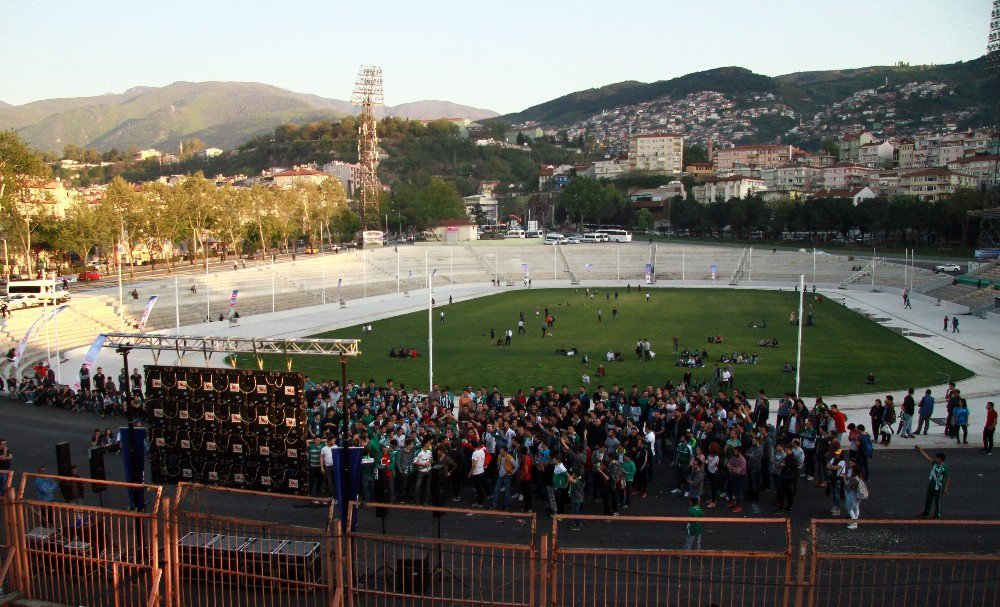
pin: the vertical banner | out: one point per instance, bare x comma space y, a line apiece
232, 300
353, 480
339, 282
91, 358
524, 270
32, 330
649, 273
133, 449
145, 313
715, 271
588, 266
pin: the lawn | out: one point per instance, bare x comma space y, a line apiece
838, 352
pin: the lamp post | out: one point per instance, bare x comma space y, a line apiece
430, 331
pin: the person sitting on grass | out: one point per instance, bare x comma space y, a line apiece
788, 368
870, 380
600, 371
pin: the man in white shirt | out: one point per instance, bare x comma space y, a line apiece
422, 462
477, 472
326, 466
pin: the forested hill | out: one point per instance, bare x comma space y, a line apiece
805, 92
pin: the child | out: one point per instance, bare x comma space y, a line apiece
694, 528
576, 486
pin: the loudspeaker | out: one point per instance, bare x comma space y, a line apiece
64, 463
410, 575
439, 486
381, 494
97, 469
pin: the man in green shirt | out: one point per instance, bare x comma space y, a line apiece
685, 451
629, 467
315, 470
694, 528
938, 483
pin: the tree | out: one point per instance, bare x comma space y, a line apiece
21, 172
162, 206
200, 211
644, 219
122, 206
695, 153
582, 197
81, 230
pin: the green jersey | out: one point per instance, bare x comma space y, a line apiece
695, 528
314, 454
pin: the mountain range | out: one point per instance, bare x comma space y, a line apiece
220, 114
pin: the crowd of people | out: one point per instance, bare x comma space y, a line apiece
99, 394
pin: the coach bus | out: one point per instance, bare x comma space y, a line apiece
616, 235
372, 238
39, 291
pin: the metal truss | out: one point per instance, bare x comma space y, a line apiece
232, 346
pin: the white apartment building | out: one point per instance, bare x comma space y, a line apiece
610, 168
724, 188
980, 167
658, 153
843, 176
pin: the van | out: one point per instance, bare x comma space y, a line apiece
515, 234
554, 238
533, 234
41, 291
591, 237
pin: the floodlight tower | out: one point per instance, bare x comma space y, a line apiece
368, 95
989, 226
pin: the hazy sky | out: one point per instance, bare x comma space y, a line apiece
502, 55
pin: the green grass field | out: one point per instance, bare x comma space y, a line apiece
837, 353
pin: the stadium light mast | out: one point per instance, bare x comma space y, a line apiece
798, 353
368, 95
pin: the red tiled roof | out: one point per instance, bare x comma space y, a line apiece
298, 173
983, 158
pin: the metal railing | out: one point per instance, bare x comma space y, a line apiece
408, 567
77, 554
211, 546
224, 559
905, 562
647, 562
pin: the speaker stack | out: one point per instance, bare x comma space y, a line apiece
228, 427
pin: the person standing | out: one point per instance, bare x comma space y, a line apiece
520, 327
694, 528
477, 472
906, 415
991, 425
600, 315
961, 415
925, 411
442, 316
938, 483
954, 324
737, 467
326, 465
855, 490
676, 342
945, 327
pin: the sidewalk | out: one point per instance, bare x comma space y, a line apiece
976, 347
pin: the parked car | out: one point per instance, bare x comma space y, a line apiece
554, 238
948, 267
88, 275
572, 239
19, 301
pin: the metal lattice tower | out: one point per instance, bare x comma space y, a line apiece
989, 226
368, 94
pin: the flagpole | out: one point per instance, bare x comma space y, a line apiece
798, 354
430, 331
121, 298
177, 305
58, 356
45, 302
322, 261
273, 308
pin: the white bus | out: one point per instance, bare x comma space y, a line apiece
615, 235
40, 291
372, 238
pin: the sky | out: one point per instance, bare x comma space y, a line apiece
502, 55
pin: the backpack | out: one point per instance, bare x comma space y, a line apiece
866, 445
862, 490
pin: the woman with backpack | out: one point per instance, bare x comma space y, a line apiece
855, 490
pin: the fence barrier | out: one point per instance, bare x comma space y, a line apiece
230, 559
211, 546
71, 553
647, 561
903, 562
437, 562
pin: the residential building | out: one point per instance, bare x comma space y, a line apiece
286, 179
552, 177
842, 176
933, 184
983, 168
487, 203
146, 154
724, 188
850, 146
792, 177
209, 153
346, 173
754, 156
699, 169
903, 154
610, 168
656, 152
530, 131
950, 151
876, 155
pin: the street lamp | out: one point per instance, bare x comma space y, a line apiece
430, 331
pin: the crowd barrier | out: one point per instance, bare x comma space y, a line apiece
213, 547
